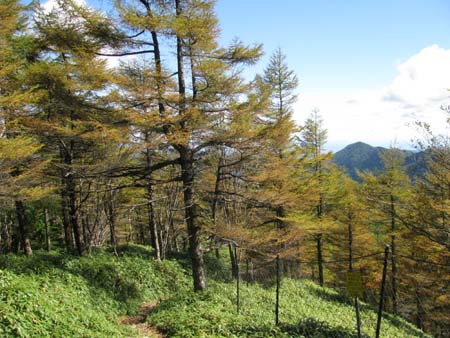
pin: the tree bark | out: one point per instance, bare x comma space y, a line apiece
47, 230
187, 176
350, 246
68, 237
73, 215
23, 228
193, 230
320, 258
6, 236
280, 212
215, 202
393, 259
70, 191
233, 261
112, 219
154, 238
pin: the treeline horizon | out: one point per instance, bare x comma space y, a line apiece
174, 148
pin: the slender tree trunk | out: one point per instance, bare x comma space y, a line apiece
6, 235
73, 215
233, 261
68, 237
393, 259
23, 228
419, 310
350, 246
320, 258
162, 232
280, 213
159, 75
86, 232
319, 216
47, 230
130, 228
154, 238
111, 219
215, 201
70, 192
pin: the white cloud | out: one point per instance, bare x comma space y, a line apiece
50, 5
422, 78
382, 116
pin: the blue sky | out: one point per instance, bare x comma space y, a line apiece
347, 52
339, 43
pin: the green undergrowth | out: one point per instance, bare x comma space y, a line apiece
58, 295
307, 310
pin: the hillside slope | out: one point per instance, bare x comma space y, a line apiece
54, 295
360, 156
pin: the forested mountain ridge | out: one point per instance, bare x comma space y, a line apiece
360, 156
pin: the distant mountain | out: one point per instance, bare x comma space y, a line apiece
360, 156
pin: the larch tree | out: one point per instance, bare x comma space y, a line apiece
138, 87
71, 114
426, 256
386, 193
207, 104
274, 164
312, 140
21, 166
430, 211
280, 127
351, 238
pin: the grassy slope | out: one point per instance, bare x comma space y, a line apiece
54, 295
306, 311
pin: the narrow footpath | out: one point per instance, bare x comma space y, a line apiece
138, 323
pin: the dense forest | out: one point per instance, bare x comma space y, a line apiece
136, 126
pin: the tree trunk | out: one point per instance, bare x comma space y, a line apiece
47, 230
187, 176
6, 236
70, 192
214, 204
154, 238
23, 228
86, 231
193, 230
319, 258
73, 215
280, 212
393, 260
68, 237
419, 310
233, 261
350, 246
111, 219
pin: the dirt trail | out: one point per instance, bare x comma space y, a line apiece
138, 323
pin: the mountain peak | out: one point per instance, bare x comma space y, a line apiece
357, 145
360, 156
